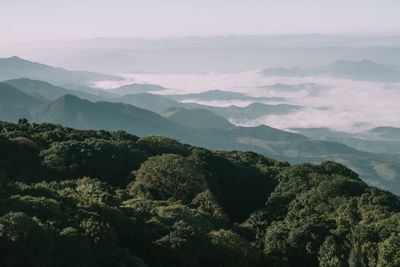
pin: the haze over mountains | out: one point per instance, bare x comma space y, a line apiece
155, 109
364, 70
193, 54
15, 67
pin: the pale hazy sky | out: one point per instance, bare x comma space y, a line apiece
32, 20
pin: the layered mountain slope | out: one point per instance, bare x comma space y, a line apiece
15, 68
72, 111
155, 103
392, 133
214, 133
364, 70
14, 103
10, 95
160, 103
197, 118
46, 91
253, 111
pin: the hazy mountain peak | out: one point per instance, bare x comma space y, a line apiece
30, 81
366, 61
16, 67
45, 91
360, 63
70, 102
196, 118
18, 62
15, 58
362, 70
69, 98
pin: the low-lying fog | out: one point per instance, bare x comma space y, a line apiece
339, 104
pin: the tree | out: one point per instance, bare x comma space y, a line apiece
389, 251
328, 253
230, 249
168, 176
23, 242
22, 121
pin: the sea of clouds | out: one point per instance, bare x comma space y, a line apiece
338, 104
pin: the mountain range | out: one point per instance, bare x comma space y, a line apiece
364, 70
193, 54
47, 92
215, 132
199, 125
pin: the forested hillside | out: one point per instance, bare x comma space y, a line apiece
102, 198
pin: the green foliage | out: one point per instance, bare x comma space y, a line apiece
207, 203
168, 176
328, 254
98, 198
240, 181
230, 249
17, 152
107, 160
389, 251
42, 207
23, 241
158, 145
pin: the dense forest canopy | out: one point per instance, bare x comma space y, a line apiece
107, 198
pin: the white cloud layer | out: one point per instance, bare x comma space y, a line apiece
340, 104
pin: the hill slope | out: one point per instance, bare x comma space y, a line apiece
197, 118
10, 95
13, 103
72, 111
155, 103
158, 202
43, 90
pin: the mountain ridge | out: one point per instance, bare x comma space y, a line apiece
363, 70
16, 67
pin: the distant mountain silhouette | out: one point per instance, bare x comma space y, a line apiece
148, 101
197, 118
160, 103
11, 96
72, 111
386, 132
253, 111
13, 102
46, 91
364, 70
15, 68
310, 88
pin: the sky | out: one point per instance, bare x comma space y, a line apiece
62, 20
